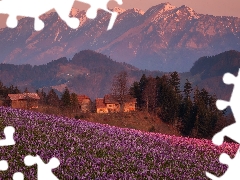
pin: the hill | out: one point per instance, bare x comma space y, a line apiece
165, 37
95, 151
88, 72
208, 71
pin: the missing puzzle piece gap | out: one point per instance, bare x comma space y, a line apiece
8, 132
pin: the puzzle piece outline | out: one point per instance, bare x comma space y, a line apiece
233, 167
44, 171
95, 5
62, 7
9, 140
21, 8
230, 131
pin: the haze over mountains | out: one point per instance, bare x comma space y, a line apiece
165, 38
92, 73
87, 73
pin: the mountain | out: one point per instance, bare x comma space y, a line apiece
208, 72
88, 72
165, 37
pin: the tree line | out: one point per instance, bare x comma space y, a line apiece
191, 110
67, 103
68, 100
4, 90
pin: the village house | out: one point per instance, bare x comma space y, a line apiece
100, 106
109, 104
23, 100
84, 103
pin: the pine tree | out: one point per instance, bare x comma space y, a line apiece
142, 85
205, 113
66, 99
43, 97
52, 98
74, 102
26, 90
167, 100
175, 81
186, 111
135, 92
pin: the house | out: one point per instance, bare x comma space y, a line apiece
109, 104
130, 104
84, 103
100, 106
23, 101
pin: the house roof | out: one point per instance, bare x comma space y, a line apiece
23, 96
81, 98
131, 99
109, 99
100, 103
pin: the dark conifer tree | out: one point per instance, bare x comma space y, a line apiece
74, 102
16, 90
43, 97
135, 92
186, 111
52, 98
174, 80
142, 86
166, 100
26, 90
149, 94
66, 99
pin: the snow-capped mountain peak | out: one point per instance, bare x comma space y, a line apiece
164, 38
119, 10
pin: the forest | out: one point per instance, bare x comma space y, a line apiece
191, 110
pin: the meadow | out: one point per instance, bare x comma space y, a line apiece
89, 150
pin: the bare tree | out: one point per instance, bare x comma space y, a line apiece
120, 88
149, 94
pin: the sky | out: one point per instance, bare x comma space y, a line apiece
213, 7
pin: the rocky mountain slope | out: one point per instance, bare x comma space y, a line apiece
165, 38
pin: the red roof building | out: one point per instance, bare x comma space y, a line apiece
23, 100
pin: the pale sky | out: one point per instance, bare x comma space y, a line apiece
213, 7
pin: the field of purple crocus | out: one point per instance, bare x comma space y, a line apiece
95, 151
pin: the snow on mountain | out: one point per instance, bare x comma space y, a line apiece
164, 37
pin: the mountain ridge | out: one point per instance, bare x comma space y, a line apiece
88, 72
165, 37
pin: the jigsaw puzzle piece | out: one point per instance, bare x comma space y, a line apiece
3, 165
230, 131
211, 176
221, 104
34, 9
63, 8
233, 172
229, 78
18, 176
12, 21
44, 170
8, 132
100, 4
112, 20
